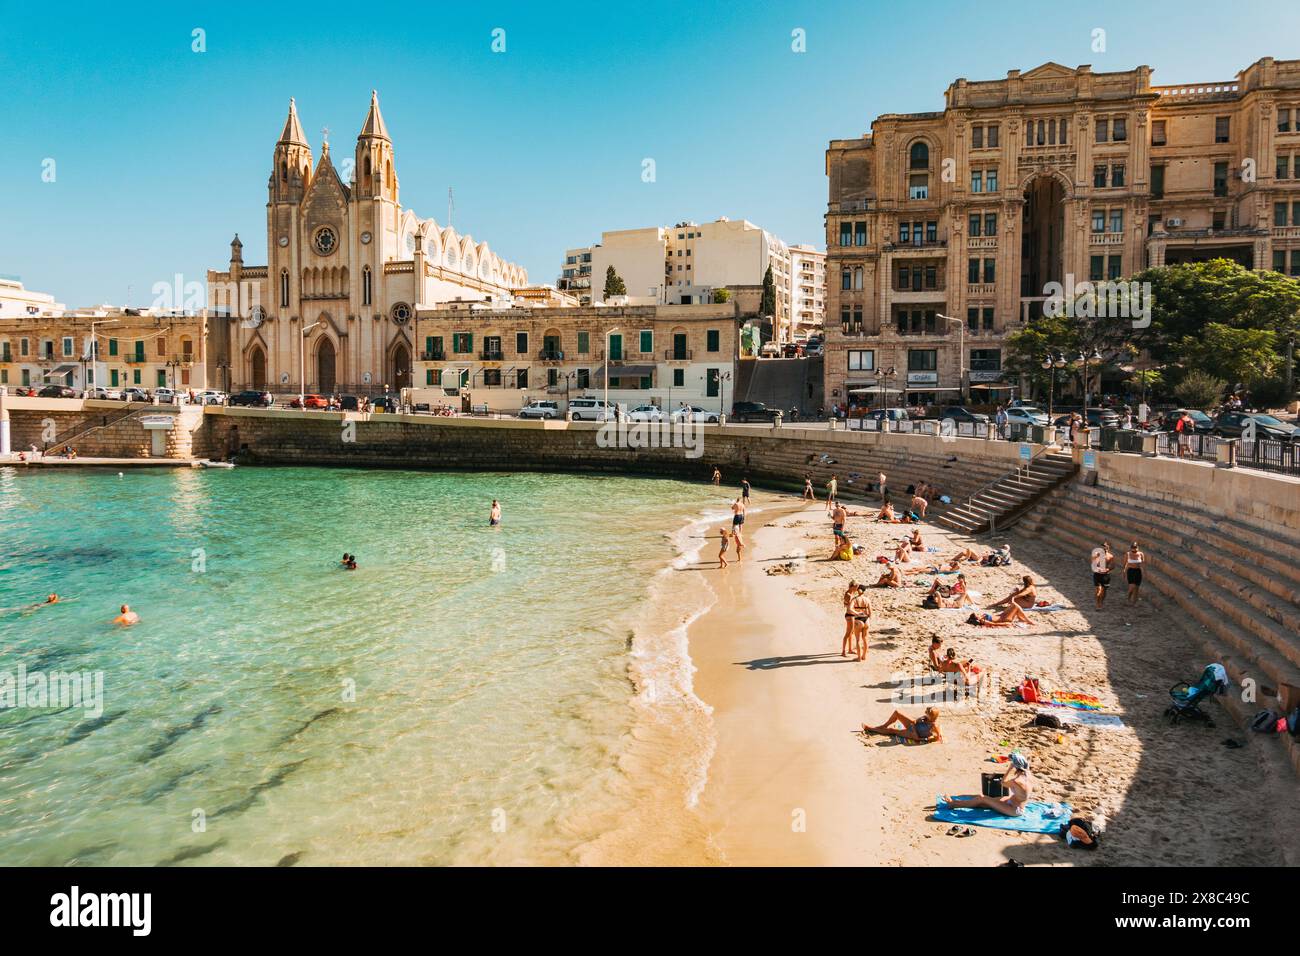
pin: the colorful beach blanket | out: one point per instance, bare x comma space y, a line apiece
1065, 698
1048, 607
1035, 818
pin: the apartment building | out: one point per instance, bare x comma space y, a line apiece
944, 229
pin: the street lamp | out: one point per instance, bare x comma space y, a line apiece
608, 333
1052, 364
1085, 358
885, 375
94, 354
723, 379
961, 354
302, 359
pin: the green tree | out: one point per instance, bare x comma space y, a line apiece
767, 305
1235, 354
1199, 390
613, 284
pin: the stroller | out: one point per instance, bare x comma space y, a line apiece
1187, 697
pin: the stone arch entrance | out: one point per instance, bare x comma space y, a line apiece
400, 366
1042, 251
325, 366
257, 365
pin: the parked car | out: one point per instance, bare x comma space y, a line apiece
591, 410
57, 391
646, 413
210, 396
959, 413
893, 414
253, 398
1203, 424
1234, 424
134, 393
769, 350
1096, 418
694, 413
753, 412
1026, 415
349, 403
101, 392
165, 395
814, 347
792, 350
540, 409
383, 403
310, 401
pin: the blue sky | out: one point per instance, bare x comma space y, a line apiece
163, 154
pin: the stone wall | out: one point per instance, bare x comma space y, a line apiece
99, 429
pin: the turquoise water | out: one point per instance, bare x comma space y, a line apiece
462, 697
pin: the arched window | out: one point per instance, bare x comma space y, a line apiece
1042, 133
919, 156
284, 288
1029, 133
365, 285
284, 172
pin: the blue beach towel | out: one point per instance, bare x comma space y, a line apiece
1035, 818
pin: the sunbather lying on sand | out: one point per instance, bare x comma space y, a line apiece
965, 554
1019, 784
1024, 596
1011, 614
922, 730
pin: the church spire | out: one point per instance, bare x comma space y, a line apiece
292, 128
374, 125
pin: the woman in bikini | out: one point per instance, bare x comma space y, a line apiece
722, 550
915, 541
970, 674
955, 596
849, 620
1011, 614
861, 608
1134, 559
965, 554
923, 730
1017, 781
892, 578
1024, 596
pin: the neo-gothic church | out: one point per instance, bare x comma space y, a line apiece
346, 268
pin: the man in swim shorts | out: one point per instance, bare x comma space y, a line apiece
494, 518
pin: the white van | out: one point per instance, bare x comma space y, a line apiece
591, 410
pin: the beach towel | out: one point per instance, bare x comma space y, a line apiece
1085, 718
1065, 698
1047, 607
1034, 818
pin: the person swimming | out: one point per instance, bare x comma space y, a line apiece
127, 617
494, 518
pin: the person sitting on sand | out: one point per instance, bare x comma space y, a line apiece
915, 541
886, 512
970, 674
903, 553
1025, 595
923, 730
936, 645
1017, 781
941, 595
722, 550
127, 617
892, 578
1011, 614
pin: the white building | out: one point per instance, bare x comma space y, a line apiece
808, 286
17, 301
686, 263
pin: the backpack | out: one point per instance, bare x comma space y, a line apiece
1086, 837
1265, 722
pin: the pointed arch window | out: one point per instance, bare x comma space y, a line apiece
919, 157
284, 288
365, 285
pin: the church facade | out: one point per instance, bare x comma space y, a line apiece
347, 266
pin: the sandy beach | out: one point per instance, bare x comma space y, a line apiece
792, 781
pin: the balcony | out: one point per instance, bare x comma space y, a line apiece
184, 360
1106, 239
980, 289
981, 242
927, 247
677, 355
437, 355
491, 355
135, 359
551, 355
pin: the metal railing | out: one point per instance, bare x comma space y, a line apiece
1265, 454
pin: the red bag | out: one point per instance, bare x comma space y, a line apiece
1029, 691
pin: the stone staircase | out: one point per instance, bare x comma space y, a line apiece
998, 504
1233, 587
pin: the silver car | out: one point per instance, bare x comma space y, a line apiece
540, 409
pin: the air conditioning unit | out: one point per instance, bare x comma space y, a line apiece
1173, 223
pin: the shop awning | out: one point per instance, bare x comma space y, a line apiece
995, 387
874, 390
61, 370
623, 371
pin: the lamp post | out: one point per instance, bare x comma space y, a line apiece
722, 392
885, 376
961, 354
94, 353
608, 333
1084, 357
1052, 364
302, 359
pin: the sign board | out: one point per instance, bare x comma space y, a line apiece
1026, 453
1089, 461
157, 421
982, 376
922, 378
965, 429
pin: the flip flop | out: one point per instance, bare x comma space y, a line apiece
953, 830
967, 832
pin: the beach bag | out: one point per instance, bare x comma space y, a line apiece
1081, 834
1265, 722
991, 785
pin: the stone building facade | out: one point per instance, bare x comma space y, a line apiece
658, 354
944, 229
347, 267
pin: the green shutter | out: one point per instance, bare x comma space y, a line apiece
645, 381
428, 344
713, 338
584, 343
428, 376
647, 340
616, 348
112, 346
135, 380
112, 376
